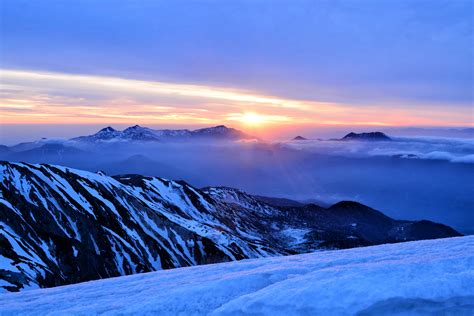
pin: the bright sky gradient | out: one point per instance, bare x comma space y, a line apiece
240, 63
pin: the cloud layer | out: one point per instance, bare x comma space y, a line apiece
459, 150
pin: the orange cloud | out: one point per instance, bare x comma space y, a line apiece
59, 98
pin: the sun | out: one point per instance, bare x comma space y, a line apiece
252, 119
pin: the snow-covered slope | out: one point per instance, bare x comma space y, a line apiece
60, 226
433, 277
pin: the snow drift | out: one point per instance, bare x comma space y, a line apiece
421, 277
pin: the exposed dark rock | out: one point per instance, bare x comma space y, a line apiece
62, 226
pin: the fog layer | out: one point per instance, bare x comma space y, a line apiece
410, 178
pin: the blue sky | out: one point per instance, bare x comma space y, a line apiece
414, 58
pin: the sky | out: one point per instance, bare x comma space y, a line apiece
264, 65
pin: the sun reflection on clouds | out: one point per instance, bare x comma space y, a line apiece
60, 98
256, 119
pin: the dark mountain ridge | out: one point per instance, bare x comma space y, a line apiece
299, 138
372, 136
61, 226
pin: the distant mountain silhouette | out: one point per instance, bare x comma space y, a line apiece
373, 136
299, 138
139, 164
4, 149
47, 152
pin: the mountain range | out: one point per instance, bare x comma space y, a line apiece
368, 137
61, 225
64, 151
109, 141
139, 133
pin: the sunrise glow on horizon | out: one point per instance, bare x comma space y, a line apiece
193, 65
32, 97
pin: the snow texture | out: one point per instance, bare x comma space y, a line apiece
414, 278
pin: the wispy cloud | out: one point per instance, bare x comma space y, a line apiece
152, 87
54, 98
431, 148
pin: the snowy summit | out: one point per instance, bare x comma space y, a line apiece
140, 133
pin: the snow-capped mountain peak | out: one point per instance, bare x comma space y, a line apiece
106, 133
221, 132
107, 129
140, 133
136, 128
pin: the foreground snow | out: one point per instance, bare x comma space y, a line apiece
422, 277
